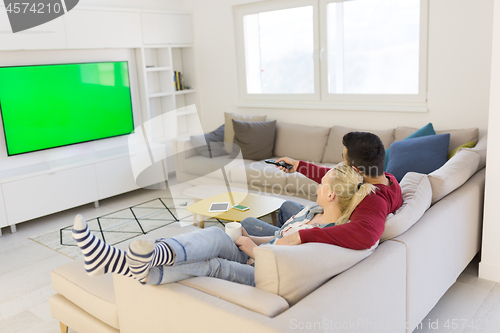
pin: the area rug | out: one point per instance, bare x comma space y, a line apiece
127, 223
121, 225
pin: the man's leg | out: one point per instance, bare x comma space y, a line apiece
256, 227
287, 210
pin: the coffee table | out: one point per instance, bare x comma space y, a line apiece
260, 205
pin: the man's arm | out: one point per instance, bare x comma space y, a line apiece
365, 229
310, 170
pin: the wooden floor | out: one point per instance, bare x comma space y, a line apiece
25, 284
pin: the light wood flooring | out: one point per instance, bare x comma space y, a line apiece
25, 284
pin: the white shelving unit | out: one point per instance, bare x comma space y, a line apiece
172, 110
159, 43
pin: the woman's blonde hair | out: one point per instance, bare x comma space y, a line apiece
349, 188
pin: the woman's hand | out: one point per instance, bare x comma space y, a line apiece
244, 232
291, 161
293, 239
246, 245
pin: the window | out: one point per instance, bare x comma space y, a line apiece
279, 51
333, 52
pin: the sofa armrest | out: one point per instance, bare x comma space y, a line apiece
251, 298
181, 309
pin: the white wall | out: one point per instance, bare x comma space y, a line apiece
458, 81
489, 267
143, 4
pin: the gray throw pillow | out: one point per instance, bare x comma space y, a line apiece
210, 144
254, 138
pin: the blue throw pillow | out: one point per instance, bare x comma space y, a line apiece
424, 131
210, 144
423, 155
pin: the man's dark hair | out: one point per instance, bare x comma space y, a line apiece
366, 152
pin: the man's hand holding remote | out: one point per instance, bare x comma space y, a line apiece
291, 161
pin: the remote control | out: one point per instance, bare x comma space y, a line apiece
280, 163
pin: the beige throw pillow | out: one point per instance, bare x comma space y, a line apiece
417, 195
453, 174
229, 129
334, 147
290, 272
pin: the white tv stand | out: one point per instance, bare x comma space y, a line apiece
161, 43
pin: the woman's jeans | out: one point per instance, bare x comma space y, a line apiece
205, 252
256, 227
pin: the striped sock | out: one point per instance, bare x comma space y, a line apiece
142, 255
100, 257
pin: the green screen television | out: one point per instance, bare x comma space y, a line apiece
48, 106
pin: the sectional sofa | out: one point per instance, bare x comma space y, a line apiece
389, 288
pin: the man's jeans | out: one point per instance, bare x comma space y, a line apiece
206, 252
256, 227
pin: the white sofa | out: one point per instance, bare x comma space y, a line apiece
320, 145
391, 290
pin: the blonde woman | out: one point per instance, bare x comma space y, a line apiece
210, 252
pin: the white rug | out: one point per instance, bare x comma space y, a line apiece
126, 223
121, 225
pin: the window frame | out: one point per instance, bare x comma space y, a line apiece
254, 8
322, 99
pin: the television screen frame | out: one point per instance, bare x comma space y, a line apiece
129, 101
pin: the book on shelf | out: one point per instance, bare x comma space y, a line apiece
178, 81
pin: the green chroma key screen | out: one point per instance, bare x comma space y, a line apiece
49, 106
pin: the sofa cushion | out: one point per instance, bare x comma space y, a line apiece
255, 139
288, 271
94, 295
210, 144
457, 137
480, 149
259, 173
423, 155
424, 131
300, 142
453, 174
417, 195
229, 130
334, 147
299, 184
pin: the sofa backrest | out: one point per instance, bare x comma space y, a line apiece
334, 147
306, 143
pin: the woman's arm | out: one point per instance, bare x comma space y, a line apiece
256, 239
261, 240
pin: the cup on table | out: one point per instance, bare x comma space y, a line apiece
233, 229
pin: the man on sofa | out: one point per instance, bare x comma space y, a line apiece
366, 153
